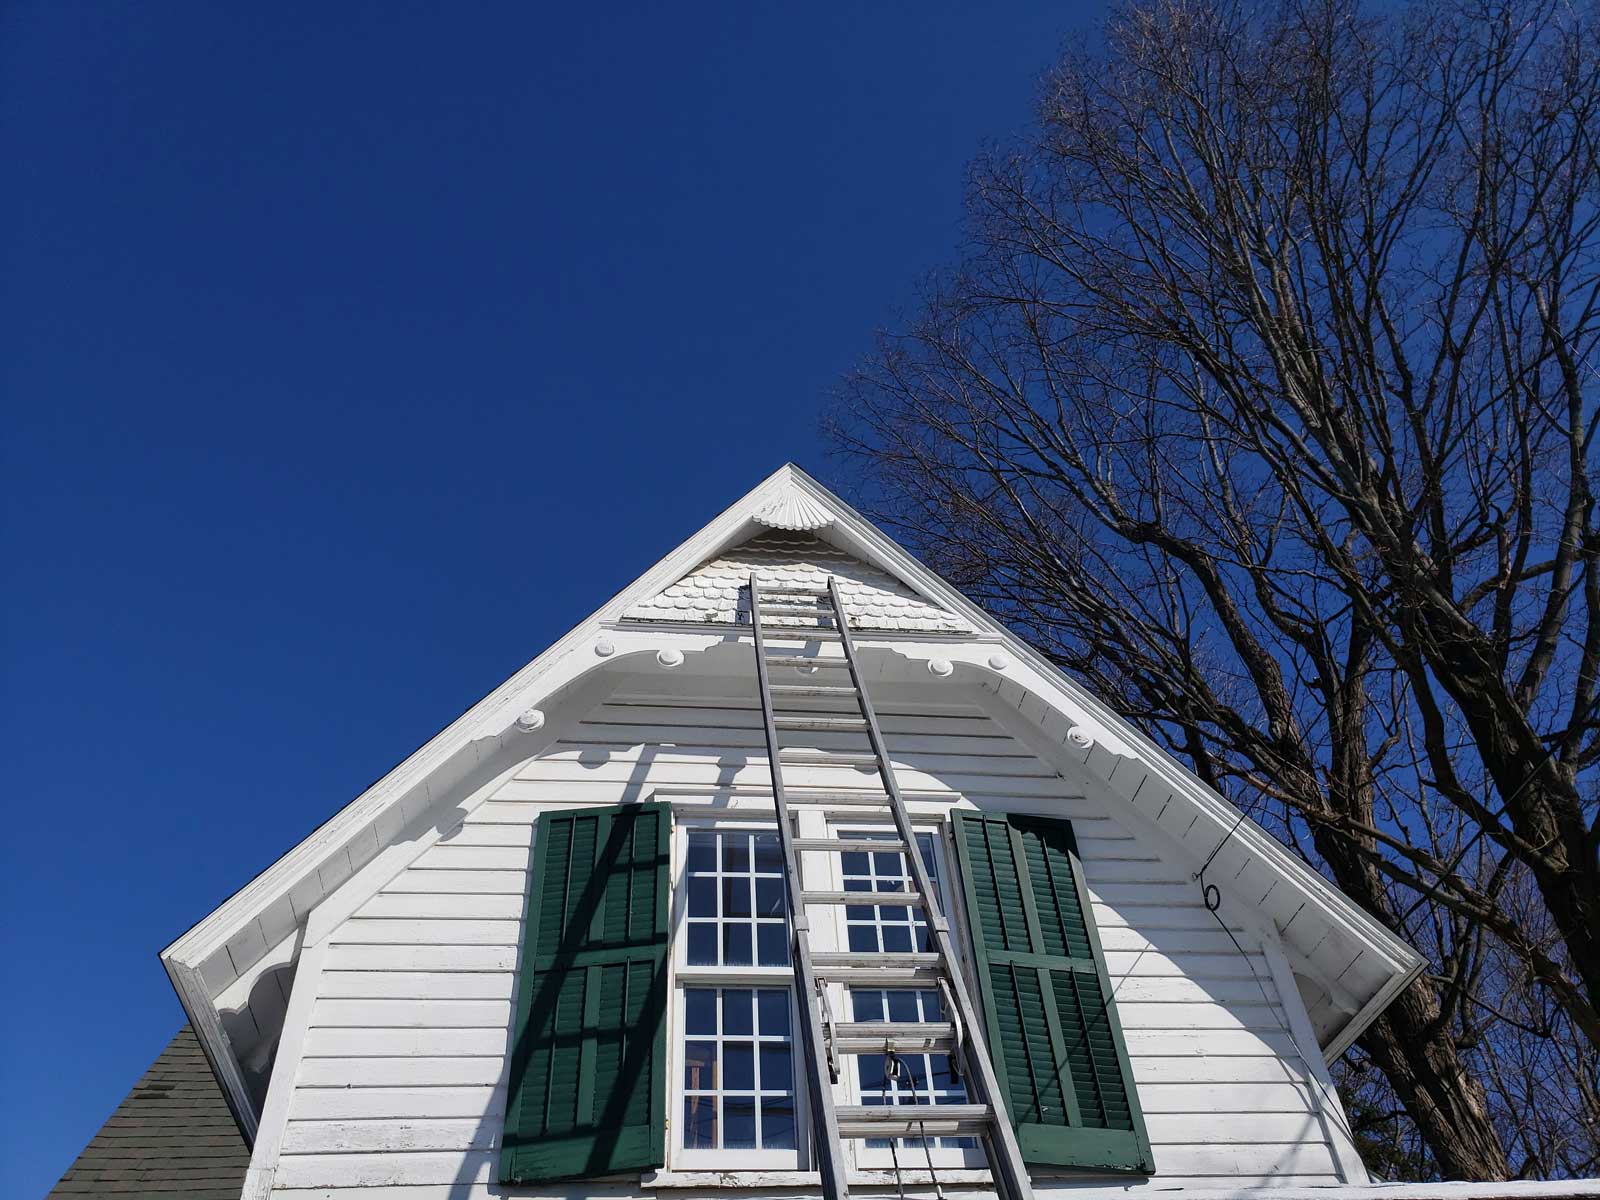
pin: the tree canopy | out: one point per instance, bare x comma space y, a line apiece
1263, 399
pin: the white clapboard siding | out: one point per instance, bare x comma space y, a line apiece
411, 1014
404, 1043
347, 957
455, 906
450, 858
421, 1073
418, 985
400, 1091
369, 1103
492, 881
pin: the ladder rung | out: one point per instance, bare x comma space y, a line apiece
819, 722
827, 758
769, 591
913, 1120
878, 970
799, 633
796, 608
800, 795
849, 845
888, 899
810, 689
800, 660
909, 1037
845, 959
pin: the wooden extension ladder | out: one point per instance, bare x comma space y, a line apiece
827, 1042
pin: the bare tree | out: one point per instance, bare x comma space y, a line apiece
1264, 400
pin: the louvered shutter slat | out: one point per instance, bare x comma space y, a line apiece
587, 1093
1047, 1001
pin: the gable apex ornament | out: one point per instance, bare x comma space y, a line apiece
792, 509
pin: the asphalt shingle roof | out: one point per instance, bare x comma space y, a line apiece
172, 1136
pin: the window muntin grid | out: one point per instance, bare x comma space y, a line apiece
925, 1078
897, 929
883, 928
738, 1069
735, 913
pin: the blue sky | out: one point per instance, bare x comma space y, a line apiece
352, 354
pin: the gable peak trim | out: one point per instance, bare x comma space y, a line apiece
793, 510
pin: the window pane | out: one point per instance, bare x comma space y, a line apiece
736, 946
700, 1066
702, 945
702, 852
736, 1012
736, 896
736, 852
777, 1123
702, 896
699, 1123
739, 1123
772, 944
777, 1069
769, 856
738, 1067
903, 1006
769, 896
774, 1006
700, 1011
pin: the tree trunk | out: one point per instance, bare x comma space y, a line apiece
1421, 1062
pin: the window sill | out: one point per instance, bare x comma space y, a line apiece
756, 1177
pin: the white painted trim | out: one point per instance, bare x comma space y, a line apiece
1369, 1013
1324, 1096
214, 1043
285, 1072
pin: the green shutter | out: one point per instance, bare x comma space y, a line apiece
587, 1092
1052, 1023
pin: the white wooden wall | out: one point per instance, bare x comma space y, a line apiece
399, 1091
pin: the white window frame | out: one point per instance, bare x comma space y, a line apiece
683, 976
849, 1090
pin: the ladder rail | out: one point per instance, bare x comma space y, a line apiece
825, 1123
1005, 1159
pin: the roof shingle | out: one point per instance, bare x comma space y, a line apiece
171, 1136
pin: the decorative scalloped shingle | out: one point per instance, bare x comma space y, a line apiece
717, 592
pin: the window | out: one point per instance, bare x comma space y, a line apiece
738, 1069
735, 1015
899, 929
736, 913
717, 1042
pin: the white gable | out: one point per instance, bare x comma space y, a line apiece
718, 592
233, 969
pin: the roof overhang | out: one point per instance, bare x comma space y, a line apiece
1327, 936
